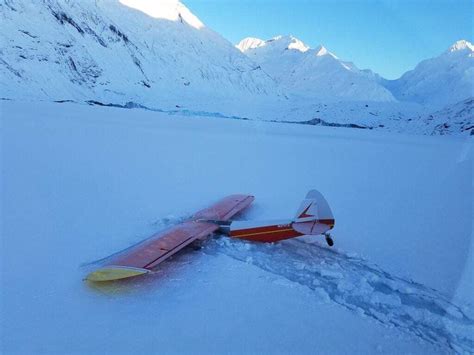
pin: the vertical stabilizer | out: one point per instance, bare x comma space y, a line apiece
314, 207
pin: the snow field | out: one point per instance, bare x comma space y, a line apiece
80, 183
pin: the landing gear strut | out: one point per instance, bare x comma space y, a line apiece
329, 240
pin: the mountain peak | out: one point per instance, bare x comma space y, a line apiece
172, 10
460, 46
250, 43
291, 42
321, 51
278, 43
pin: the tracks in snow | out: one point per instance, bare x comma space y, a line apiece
361, 287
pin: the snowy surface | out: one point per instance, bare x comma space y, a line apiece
82, 182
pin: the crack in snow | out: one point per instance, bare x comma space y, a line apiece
361, 287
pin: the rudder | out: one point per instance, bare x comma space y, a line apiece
314, 207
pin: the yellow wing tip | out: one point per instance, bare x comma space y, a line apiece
110, 273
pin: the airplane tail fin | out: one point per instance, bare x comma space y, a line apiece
314, 211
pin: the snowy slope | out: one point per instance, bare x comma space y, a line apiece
153, 53
313, 73
446, 79
397, 281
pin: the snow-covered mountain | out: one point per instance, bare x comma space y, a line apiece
148, 52
446, 79
455, 119
314, 73
156, 53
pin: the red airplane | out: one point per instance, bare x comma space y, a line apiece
314, 217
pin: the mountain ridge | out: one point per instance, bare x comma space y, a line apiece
439, 81
314, 73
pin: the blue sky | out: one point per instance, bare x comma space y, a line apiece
387, 36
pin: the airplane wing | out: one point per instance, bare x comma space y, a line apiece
143, 257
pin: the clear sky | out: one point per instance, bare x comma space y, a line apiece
387, 36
